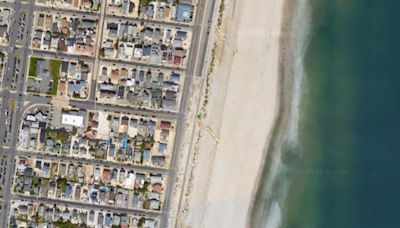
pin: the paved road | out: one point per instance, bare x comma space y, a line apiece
60, 55
115, 209
43, 8
95, 14
96, 62
123, 109
196, 60
91, 105
23, 55
199, 71
9, 72
63, 55
150, 21
63, 11
63, 158
150, 65
5, 4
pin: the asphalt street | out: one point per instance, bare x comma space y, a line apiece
63, 158
196, 60
9, 76
85, 205
92, 105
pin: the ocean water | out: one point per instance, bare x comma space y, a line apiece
339, 163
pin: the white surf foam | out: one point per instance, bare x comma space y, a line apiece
274, 217
300, 37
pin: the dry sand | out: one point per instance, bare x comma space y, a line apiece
243, 101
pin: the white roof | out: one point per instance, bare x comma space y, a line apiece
30, 117
138, 52
129, 50
155, 179
129, 181
72, 120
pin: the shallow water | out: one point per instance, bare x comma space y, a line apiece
343, 168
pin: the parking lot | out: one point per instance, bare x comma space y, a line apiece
3, 165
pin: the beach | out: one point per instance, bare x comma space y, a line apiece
242, 105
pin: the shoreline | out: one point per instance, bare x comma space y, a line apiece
242, 110
256, 217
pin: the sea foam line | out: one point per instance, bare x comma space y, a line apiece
300, 39
274, 217
277, 180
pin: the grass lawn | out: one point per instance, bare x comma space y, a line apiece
32, 66
55, 73
144, 2
62, 184
58, 134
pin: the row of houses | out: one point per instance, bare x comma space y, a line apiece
123, 7
88, 183
83, 5
68, 77
34, 214
127, 139
139, 87
169, 10
62, 33
50, 131
156, 44
5, 21
98, 135
3, 61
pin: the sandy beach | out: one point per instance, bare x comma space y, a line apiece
242, 104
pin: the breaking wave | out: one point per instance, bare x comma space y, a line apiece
274, 217
300, 38
278, 176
